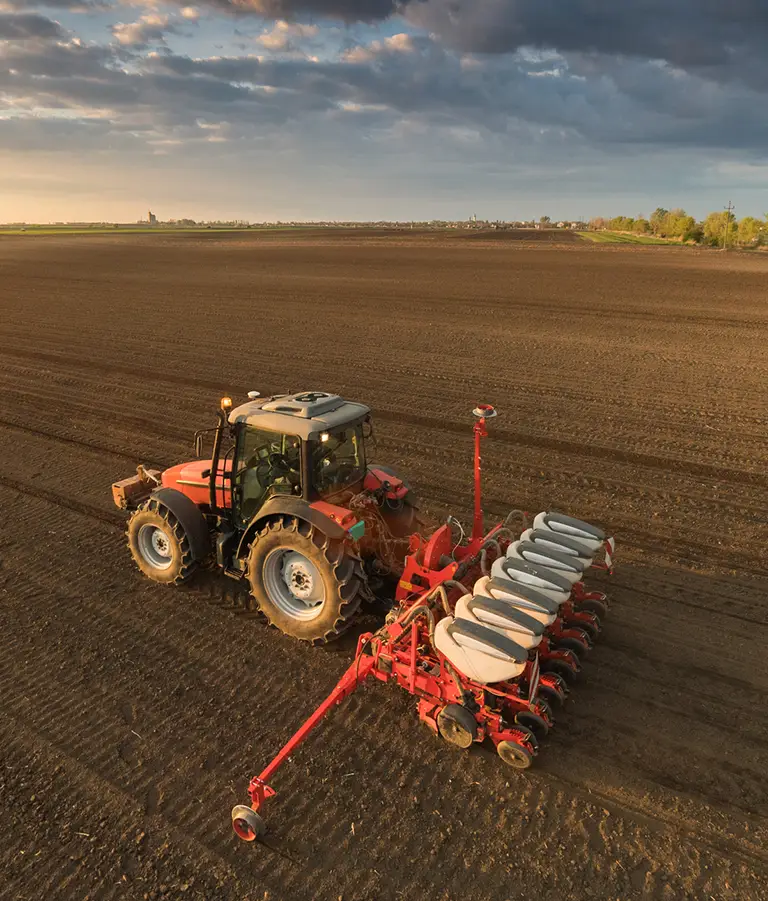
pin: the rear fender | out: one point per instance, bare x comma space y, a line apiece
286, 505
189, 516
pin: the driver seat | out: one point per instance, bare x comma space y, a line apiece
251, 493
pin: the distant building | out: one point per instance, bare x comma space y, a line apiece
151, 218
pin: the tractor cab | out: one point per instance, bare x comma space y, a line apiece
309, 445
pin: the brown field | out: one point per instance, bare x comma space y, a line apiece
631, 384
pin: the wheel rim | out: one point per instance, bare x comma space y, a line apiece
155, 546
294, 584
457, 726
248, 825
514, 755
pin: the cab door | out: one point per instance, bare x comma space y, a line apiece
266, 463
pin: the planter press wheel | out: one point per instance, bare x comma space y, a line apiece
597, 607
591, 629
566, 671
457, 725
552, 696
248, 825
514, 754
579, 646
537, 724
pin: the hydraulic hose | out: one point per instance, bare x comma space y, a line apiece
454, 583
490, 542
515, 514
418, 611
450, 669
443, 593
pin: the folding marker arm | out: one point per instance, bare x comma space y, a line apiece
358, 672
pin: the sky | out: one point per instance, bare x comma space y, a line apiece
286, 110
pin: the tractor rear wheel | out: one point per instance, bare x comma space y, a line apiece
159, 544
306, 584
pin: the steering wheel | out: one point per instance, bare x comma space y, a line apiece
278, 462
271, 466
345, 468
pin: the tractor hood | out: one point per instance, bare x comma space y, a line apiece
193, 479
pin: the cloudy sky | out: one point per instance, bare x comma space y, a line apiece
366, 109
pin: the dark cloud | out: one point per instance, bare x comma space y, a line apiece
57, 60
719, 38
345, 10
686, 32
635, 103
593, 98
71, 5
28, 26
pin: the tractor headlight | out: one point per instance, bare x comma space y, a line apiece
324, 437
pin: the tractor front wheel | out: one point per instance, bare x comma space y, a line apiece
306, 584
159, 544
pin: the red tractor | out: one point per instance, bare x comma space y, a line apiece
287, 500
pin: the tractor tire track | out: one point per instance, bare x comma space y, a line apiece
85, 443
79, 616
436, 424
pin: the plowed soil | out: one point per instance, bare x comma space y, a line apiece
631, 385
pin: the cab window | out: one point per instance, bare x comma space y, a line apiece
338, 460
266, 463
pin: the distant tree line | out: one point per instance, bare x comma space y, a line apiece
716, 230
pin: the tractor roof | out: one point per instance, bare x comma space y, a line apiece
306, 414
